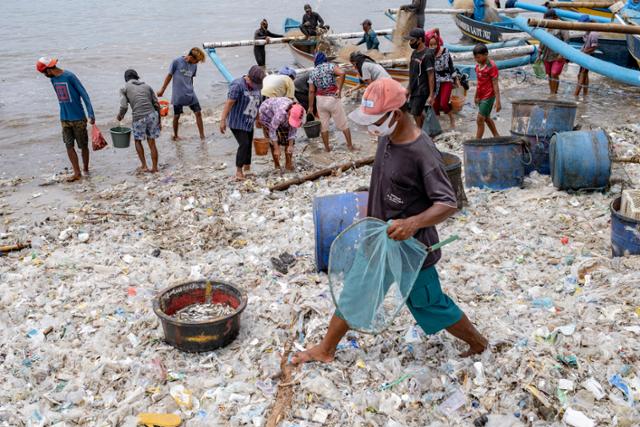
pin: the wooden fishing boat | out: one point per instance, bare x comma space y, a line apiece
304, 51
632, 41
611, 47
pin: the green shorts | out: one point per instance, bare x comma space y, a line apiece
432, 309
75, 131
485, 106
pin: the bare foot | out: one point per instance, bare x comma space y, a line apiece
73, 178
176, 138
240, 176
142, 169
475, 349
314, 354
154, 170
353, 149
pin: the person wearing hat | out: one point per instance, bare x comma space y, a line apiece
325, 90
71, 95
409, 187
263, 33
280, 85
553, 62
240, 113
145, 112
370, 37
422, 79
280, 119
182, 71
368, 70
589, 46
311, 21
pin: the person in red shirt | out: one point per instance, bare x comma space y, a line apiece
488, 90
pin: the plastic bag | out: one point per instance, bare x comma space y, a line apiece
97, 140
371, 275
538, 69
431, 123
457, 99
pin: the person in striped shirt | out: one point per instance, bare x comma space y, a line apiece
240, 113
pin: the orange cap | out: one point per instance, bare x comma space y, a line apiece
44, 63
381, 96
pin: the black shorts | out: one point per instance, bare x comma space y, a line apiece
179, 109
417, 104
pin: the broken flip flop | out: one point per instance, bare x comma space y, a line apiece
159, 420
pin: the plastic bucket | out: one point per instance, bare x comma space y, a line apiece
538, 146
312, 129
121, 136
542, 117
580, 160
625, 232
331, 215
164, 107
204, 335
261, 146
494, 163
453, 166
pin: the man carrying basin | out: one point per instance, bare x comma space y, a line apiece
71, 94
409, 185
145, 111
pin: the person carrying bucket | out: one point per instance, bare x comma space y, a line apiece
145, 112
182, 72
71, 94
280, 119
409, 186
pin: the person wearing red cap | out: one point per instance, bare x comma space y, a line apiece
280, 119
409, 186
71, 94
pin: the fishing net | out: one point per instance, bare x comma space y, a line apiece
371, 275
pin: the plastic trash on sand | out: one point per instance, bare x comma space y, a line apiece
371, 275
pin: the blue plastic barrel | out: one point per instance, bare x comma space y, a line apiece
539, 148
331, 215
494, 163
542, 117
536, 120
625, 232
580, 160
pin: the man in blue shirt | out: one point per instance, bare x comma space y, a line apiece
370, 37
70, 92
182, 71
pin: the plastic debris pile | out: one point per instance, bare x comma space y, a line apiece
80, 344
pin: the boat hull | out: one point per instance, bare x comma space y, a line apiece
633, 46
484, 32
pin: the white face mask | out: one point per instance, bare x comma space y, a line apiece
384, 129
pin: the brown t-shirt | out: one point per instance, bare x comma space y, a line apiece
406, 180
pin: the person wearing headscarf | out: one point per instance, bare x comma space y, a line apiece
368, 70
325, 89
444, 75
145, 111
263, 33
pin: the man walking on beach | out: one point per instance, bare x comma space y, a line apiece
409, 186
422, 79
262, 33
70, 92
182, 71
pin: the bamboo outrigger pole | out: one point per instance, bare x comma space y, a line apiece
457, 11
216, 45
577, 4
584, 26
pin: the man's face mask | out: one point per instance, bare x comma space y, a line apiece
414, 44
384, 129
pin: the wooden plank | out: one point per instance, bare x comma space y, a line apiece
584, 26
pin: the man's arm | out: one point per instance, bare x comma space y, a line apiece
402, 229
340, 80
225, 113
85, 99
362, 40
320, 20
431, 76
274, 35
124, 104
312, 96
167, 80
496, 90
